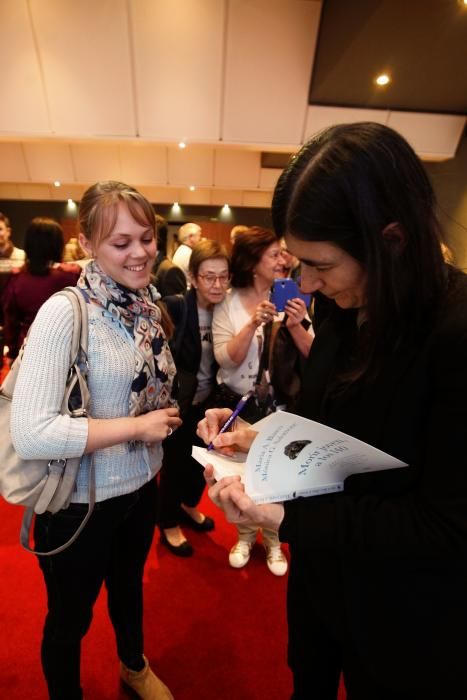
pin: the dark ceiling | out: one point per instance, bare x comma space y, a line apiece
421, 43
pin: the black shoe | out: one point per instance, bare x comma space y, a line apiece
180, 550
206, 526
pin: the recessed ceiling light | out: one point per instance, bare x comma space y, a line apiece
192, 188
57, 183
382, 79
182, 144
226, 207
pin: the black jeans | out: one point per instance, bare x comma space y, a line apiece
112, 548
181, 476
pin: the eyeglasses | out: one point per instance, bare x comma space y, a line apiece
211, 279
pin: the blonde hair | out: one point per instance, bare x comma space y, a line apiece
98, 209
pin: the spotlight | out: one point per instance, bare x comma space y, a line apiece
383, 79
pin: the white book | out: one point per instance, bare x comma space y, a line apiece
293, 456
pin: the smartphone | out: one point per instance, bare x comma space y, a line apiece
285, 289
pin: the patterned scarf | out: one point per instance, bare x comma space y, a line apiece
137, 312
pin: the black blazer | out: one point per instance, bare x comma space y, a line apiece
386, 560
186, 342
185, 345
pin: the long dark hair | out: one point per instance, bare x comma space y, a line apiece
345, 186
43, 245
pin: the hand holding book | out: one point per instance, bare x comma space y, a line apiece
286, 456
229, 494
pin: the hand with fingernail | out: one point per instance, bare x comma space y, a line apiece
157, 425
264, 313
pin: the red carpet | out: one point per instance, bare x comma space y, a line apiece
212, 632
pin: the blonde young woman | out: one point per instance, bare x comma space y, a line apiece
130, 380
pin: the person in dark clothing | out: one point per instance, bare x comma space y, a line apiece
181, 480
378, 574
29, 286
167, 277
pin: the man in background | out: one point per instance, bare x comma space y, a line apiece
188, 236
236, 231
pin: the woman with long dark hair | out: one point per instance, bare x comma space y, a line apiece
378, 572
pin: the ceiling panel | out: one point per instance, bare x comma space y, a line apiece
24, 108
34, 191
429, 134
84, 50
178, 49
83, 82
93, 162
191, 166
421, 44
143, 163
13, 164
160, 195
9, 191
234, 198
270, 47
236, 168
319, 118
64, 192
268, 178
49, 161
198, 196
257, 199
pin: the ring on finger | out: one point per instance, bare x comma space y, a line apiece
169, 431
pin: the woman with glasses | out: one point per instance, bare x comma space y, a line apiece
182, 482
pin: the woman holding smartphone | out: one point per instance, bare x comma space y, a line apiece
238, 336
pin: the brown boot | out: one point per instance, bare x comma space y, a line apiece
145, 683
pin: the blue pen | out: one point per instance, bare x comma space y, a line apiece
239, 407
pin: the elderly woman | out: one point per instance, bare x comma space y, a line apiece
182, 481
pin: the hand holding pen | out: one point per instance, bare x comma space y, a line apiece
229, 422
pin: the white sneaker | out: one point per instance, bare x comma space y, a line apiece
240, 554
275, 559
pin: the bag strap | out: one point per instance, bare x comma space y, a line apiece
264, 359
29, 513
57, 468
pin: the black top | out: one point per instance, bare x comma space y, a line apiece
386, 560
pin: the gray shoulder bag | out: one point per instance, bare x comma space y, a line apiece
40, 484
